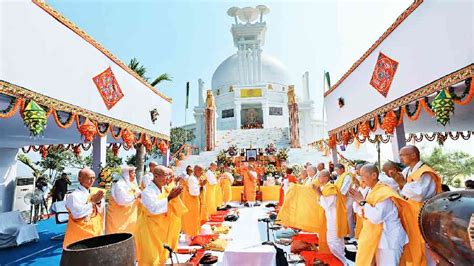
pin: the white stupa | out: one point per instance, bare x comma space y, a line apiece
250, 87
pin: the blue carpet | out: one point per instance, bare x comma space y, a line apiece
41, 253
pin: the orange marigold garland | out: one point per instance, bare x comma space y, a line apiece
15, 104
346, 137
77, 150
128, 138
43, 150
364, 129
332, 141
146, 141
390, 121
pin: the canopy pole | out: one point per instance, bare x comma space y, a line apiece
99, 150
398, 141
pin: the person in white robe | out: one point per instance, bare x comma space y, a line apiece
394, 237
148, 177
312, 175
328, 203
344, 189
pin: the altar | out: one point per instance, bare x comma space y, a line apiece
269, 193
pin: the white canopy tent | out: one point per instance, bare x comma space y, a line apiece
432, 44
45, 58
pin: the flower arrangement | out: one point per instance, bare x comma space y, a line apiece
232, 150
282, 154
270, 149
270, 169
297, 168
221, 157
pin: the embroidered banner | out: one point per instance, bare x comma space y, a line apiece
384, 71
108, 88
250, 93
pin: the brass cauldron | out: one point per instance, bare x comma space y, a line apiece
445, 225
112, 249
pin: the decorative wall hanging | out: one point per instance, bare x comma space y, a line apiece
390, 121
154, 115
108, 88
146, 141
88, 130
35, 118
128, 138
340, 102
383, 74
443, 106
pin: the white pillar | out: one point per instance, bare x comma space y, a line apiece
201, 92
200, 130
7, 177
241, 66
237, 115
398, 141
255, 65
99, 151
334, 155
250, 66
259, 55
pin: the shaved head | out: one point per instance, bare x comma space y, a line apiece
320, 166
312, 170
86, 177
370, 174
324, 176
160, 174
198, 169
389, 166
410, 155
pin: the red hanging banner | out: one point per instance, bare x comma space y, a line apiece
383, 74
108, 88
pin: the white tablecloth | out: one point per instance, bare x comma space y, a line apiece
15, 231
246, 236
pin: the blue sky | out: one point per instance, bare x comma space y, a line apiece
189, 39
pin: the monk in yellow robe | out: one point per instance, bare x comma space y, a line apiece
122, 211
363, 189
86, 209
388, 224
161, 207
334, 225
191, 221
343, 183
418, 183
226, 180
211, 189
250, 184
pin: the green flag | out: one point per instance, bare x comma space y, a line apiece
327, 81
187, 94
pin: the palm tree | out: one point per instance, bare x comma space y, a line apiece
134, 65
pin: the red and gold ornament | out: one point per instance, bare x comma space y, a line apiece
364, 129
146, 141
390, 121
128, 138
88, 130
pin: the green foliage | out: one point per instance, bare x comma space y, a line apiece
180, 136
134, 65
451, 166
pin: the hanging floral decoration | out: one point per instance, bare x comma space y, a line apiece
346, 137
116, 149
128, 138
390, 121
77, 150
35, 118
43, 150
443, 106
88, 130
332, 141
163, 147
146, 141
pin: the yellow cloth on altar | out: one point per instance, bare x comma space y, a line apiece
79, 229
250, 187
371, 233
217, 245
122, 218
300, 209
154, 230
226, 189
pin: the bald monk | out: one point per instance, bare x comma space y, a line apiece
418, 182
383, 236
211, 189
343, 183
191, 221
122, 211
335, 213
384, 177
226, 180
153, 226
250, 185
86, 208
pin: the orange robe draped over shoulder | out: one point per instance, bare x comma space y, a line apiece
154, 230
122, 218
87, 227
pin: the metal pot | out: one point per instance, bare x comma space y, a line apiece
112, 249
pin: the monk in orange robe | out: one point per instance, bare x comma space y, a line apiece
226, 180
191, 196
162, 207
86, 209
250, 184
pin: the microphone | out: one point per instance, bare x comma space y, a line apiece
266, 220
168, 248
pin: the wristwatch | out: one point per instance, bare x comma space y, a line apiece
362, 203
